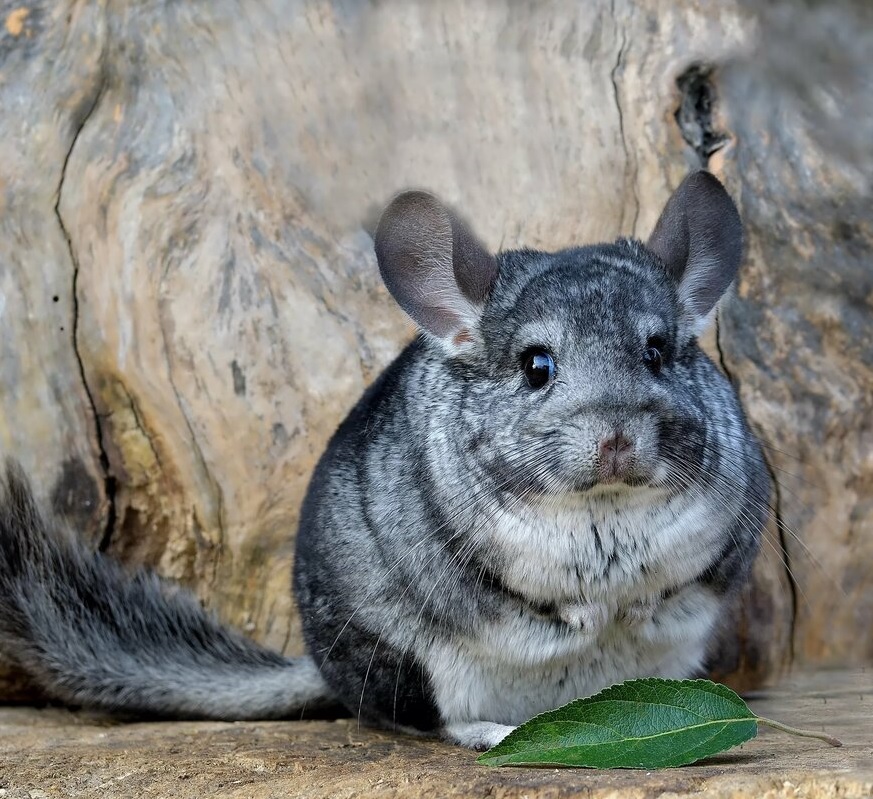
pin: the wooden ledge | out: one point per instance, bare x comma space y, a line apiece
52, 752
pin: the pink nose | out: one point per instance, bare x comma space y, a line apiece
615, 456
612, 447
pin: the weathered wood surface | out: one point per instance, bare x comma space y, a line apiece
52, 753
189, 301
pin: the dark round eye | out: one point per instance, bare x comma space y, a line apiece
539, 368
653, 359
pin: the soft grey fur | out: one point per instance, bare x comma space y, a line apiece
92, 634
472, 550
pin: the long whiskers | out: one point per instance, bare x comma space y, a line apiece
735, 479
726, 486
453, 569
472, 500
531, 474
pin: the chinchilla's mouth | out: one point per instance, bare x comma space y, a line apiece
613, 482
605, 477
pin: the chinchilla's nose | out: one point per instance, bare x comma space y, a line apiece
615, 455
615, 444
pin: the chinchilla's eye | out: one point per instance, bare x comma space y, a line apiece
652, 356
539, 367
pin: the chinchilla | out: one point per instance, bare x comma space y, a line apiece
550, 490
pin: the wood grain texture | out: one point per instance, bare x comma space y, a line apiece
216, 169
798, 339
54, 753
47, 88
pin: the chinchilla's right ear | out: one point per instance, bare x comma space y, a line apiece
434, 266
699, 239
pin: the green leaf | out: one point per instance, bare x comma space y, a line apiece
649, 723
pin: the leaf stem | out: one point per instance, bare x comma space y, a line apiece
800, 733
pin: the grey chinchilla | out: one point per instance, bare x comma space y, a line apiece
550, 490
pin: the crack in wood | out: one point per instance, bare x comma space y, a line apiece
782, 530
630, 163
695, 119
109, 480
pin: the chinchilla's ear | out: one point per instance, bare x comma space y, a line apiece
699, 238
434, 266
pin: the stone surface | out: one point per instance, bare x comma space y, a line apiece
194, 183
51, 753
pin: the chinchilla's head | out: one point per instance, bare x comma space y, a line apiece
577, 368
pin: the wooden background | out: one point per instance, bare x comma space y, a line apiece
189, 301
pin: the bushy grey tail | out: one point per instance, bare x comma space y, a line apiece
91, 634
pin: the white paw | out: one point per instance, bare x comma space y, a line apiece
587, 617
478, 735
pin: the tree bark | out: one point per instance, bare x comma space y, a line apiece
189, 300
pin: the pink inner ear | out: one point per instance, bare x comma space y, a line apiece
433, 265
462, 337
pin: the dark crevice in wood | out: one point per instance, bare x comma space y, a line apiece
694, 116
109, 481
629, 163
785, 552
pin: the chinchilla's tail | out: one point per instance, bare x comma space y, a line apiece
90, 634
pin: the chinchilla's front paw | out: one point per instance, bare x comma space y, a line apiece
638, 612
586, 617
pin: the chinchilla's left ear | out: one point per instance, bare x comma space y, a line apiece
699, 239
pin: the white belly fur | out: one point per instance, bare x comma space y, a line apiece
524, 664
